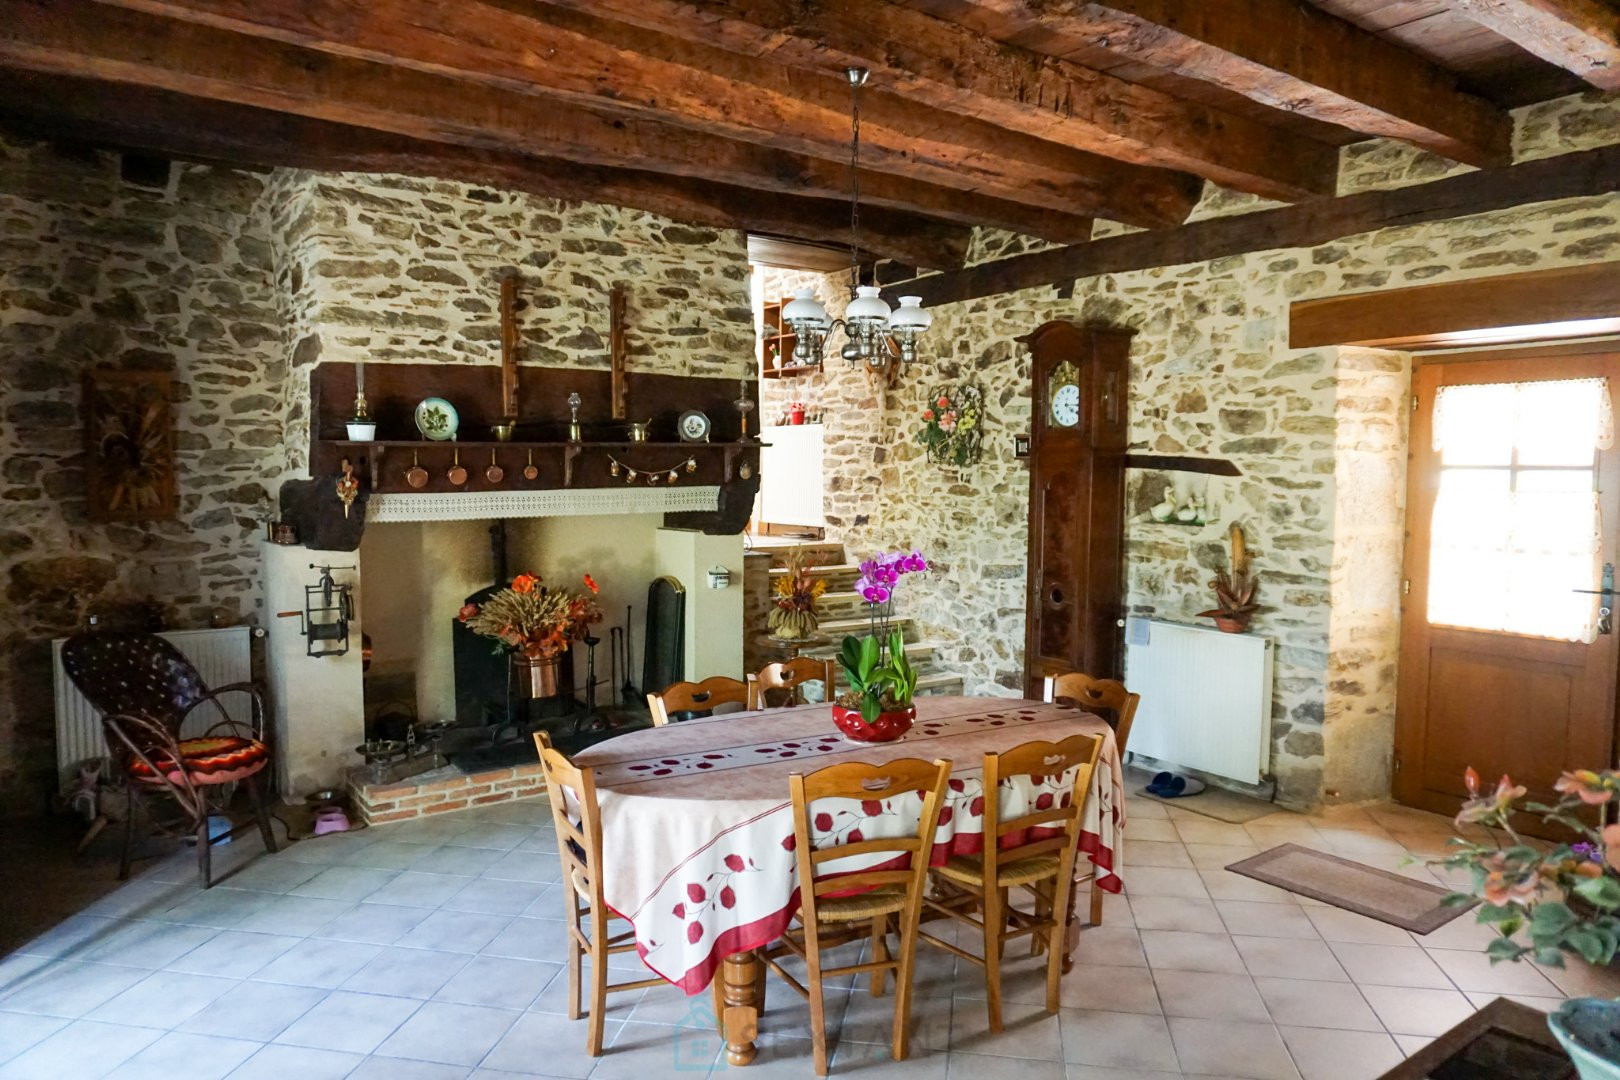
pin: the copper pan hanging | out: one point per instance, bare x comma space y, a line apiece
416, 476
458, 472
494, 473
529, 470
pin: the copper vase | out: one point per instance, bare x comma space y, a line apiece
537, 675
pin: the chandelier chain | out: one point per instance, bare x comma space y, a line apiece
855, 181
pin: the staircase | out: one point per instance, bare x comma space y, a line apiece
842, 611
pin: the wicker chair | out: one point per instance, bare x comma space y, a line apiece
145, 690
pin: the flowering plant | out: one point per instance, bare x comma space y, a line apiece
880, 677
1566, 899
951, 426
528, 618
793, 612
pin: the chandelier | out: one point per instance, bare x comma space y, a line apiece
875, 335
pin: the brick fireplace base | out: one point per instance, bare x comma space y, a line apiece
442, 791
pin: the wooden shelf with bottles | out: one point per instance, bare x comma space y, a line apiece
776, 340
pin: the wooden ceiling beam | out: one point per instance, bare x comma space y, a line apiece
950, 67
76, 37
629, 70
1582, 36
175, 126
1285, 54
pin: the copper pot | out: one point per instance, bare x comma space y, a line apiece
494, 473
416, 476
529, 470
537, 675
458, 472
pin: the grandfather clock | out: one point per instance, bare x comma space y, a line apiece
1076, 501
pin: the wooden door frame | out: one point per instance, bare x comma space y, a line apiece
1555, 361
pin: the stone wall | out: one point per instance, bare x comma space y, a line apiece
171, 273
1318, 434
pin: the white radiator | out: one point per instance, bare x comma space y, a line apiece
222, 657
1206, 698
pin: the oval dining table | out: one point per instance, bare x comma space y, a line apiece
697, 826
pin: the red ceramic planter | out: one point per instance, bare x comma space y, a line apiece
887, 727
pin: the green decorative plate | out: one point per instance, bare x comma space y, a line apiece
437, 419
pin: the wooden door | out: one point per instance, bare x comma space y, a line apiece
1076, 501
1497, 670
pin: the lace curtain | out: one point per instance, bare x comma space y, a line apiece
1516, 526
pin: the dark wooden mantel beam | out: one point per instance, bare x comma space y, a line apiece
957, 70
140, 118
1286, 54
1306, 224
566, 56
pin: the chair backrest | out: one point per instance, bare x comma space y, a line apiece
790, 676
870, 786
1094, 694
133, 675
696, 697
579, 844
1055, 801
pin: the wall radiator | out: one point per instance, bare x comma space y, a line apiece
222, 657
1206, 698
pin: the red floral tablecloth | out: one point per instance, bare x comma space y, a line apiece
697, 827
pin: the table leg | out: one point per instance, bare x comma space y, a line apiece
741, 993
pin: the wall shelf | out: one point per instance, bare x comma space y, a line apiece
558, 464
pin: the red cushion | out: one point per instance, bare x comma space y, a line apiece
214, 760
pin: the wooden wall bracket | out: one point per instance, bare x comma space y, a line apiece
1180, 463
509, 348
619, 389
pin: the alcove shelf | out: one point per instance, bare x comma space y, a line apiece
1181, 463
384, 462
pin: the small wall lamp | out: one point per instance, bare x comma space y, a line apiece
719, 577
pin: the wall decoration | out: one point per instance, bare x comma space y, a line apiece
953, 426
437, 419
693, 426
652, 476
129, 443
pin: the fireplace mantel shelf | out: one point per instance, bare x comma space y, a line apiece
518, 454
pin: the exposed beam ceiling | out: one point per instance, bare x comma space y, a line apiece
80, 38
1282, 53
195, 130
956, 70
593, 61
1582, 36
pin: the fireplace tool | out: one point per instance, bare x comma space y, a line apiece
629, 688
615, 643
591, 720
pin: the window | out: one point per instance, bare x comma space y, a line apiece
1516, 528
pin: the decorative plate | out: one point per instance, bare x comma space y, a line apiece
693, 426
437, 419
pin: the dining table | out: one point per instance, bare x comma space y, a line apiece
697, 825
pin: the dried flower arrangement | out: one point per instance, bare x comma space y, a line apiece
793, 614
528, 618
1234, 589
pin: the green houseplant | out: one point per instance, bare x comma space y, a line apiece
878, 707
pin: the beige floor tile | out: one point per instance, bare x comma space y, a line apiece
1270, 836
1029, 1031
1162, 881
1226, 885
1110, 946
1280, 818
1120, 989
1103, 1072
1423, 845
1355, 843
1203, 830
1411, 1044
1209, 995
1185, 951
1341, 816
1336, 924
1462, 932
1407, 1010
1324, 1054
1580, 979
1289, 959
1390, 965
987, 1067
1232, 1048
1162, 853
1545, 1004
1143, 809
1177, 913
1117, 1040
1309, 1003
1219, 856
1157, 829
1265, 920
1474, 972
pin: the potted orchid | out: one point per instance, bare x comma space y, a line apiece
535, 624
878, 707
1561, 900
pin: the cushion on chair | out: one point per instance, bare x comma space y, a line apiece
214, 760
969, 870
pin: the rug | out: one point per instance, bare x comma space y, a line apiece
1366, 890
1212, 802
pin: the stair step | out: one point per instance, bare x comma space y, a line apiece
857, 626
914, 649
940, 683
829, 570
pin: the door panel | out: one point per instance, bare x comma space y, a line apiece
1516, 698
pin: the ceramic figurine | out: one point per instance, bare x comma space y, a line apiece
1164, 510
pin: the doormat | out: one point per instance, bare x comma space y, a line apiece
1366, 890
1212, 802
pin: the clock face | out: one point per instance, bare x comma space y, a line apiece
694, 426
1066, 405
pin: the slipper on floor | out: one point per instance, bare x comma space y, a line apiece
1182, 787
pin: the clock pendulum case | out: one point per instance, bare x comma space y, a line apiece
1080, 430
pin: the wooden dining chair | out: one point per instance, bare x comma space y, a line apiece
696, 698
790, 676
579, 845
838, 906
1039, 856
1096, 696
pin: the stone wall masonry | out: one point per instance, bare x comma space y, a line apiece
1319, 435
95, 272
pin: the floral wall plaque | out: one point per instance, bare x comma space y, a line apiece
129, 446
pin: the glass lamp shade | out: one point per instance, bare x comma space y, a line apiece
804, 311
867, 306
910, 316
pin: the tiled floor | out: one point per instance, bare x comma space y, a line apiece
431, 950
